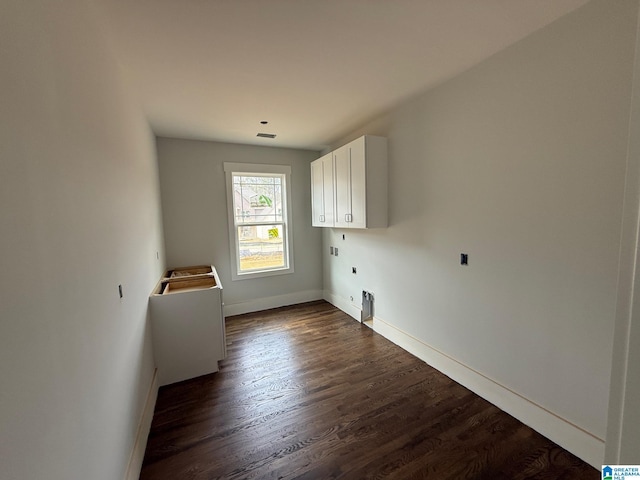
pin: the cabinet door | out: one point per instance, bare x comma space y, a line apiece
358, 183
322, 192
327, 188
342, 185
317, 194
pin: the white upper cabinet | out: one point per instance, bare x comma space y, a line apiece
322, 191
317, 194
342, 185
358, 188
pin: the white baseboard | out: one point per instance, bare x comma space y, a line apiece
576, 440
343, 304
144, 427
257, 304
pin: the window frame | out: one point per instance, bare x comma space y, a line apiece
247, 169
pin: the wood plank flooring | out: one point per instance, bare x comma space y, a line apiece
309, 393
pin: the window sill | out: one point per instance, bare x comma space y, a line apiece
260, 274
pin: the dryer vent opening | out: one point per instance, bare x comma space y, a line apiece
367, 306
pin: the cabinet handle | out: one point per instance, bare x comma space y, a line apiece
322, 218
347, 217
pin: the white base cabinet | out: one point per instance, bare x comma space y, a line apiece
188, 328
349, 185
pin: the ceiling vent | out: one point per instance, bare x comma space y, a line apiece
267, 135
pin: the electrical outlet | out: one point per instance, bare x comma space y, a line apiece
330, 250
464, 259
354, 270
336, 250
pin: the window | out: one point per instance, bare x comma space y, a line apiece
258, 201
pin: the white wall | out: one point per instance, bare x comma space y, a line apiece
519, 162
79, 213
194, 206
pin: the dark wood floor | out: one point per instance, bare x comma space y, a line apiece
307, 392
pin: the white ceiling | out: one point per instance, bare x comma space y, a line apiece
314, 69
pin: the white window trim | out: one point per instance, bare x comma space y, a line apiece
248, 168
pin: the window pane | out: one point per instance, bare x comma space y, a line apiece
261, 247
257, 198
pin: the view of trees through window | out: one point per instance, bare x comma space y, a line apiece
259, 220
